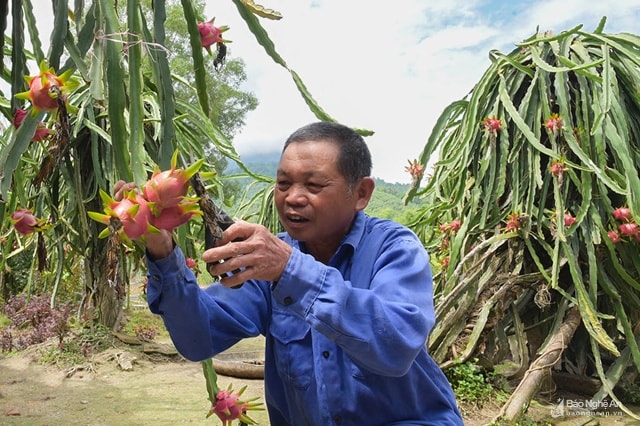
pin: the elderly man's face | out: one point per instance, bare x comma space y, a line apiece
314, 201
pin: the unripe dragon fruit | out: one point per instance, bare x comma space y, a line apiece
40, 95
133, 213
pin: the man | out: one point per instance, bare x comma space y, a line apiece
344, 300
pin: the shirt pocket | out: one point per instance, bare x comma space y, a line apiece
292, 348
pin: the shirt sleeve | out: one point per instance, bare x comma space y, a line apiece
202, 322
383, 325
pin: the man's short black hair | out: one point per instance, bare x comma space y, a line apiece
354, 161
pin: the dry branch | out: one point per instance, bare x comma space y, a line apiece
540, 368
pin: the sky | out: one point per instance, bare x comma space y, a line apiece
390, 67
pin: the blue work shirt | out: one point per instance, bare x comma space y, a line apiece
345, 342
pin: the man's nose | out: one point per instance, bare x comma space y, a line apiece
296, 195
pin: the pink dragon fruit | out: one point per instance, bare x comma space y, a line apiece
630, 229
569, 219
614, 237
228, 407
168, 188
622, 214
132, 211
41, 133
210, 34
40, 94
26, 222
170, 218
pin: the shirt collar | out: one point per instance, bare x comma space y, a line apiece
352, 239
355, 233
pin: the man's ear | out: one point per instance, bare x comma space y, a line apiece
363, 191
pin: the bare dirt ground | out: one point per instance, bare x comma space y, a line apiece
157, 390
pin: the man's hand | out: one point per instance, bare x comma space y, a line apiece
159, 244
256, 253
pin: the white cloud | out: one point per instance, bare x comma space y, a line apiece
391, 67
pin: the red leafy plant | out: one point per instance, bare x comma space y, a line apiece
33, 320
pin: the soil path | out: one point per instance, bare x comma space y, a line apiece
158, 390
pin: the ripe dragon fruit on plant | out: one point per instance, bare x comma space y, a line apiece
210, 34
169, 188
622, 214
162, 204
25, 222
131, 215
40, 95
166, 193
41, 133
225, 403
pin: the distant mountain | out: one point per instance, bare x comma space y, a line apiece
387, 197
264, 163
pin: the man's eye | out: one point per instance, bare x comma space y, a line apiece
282, 185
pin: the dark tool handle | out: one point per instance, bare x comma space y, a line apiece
210, 240
215, 219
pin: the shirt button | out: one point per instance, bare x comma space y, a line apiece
325, 354
288, 300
